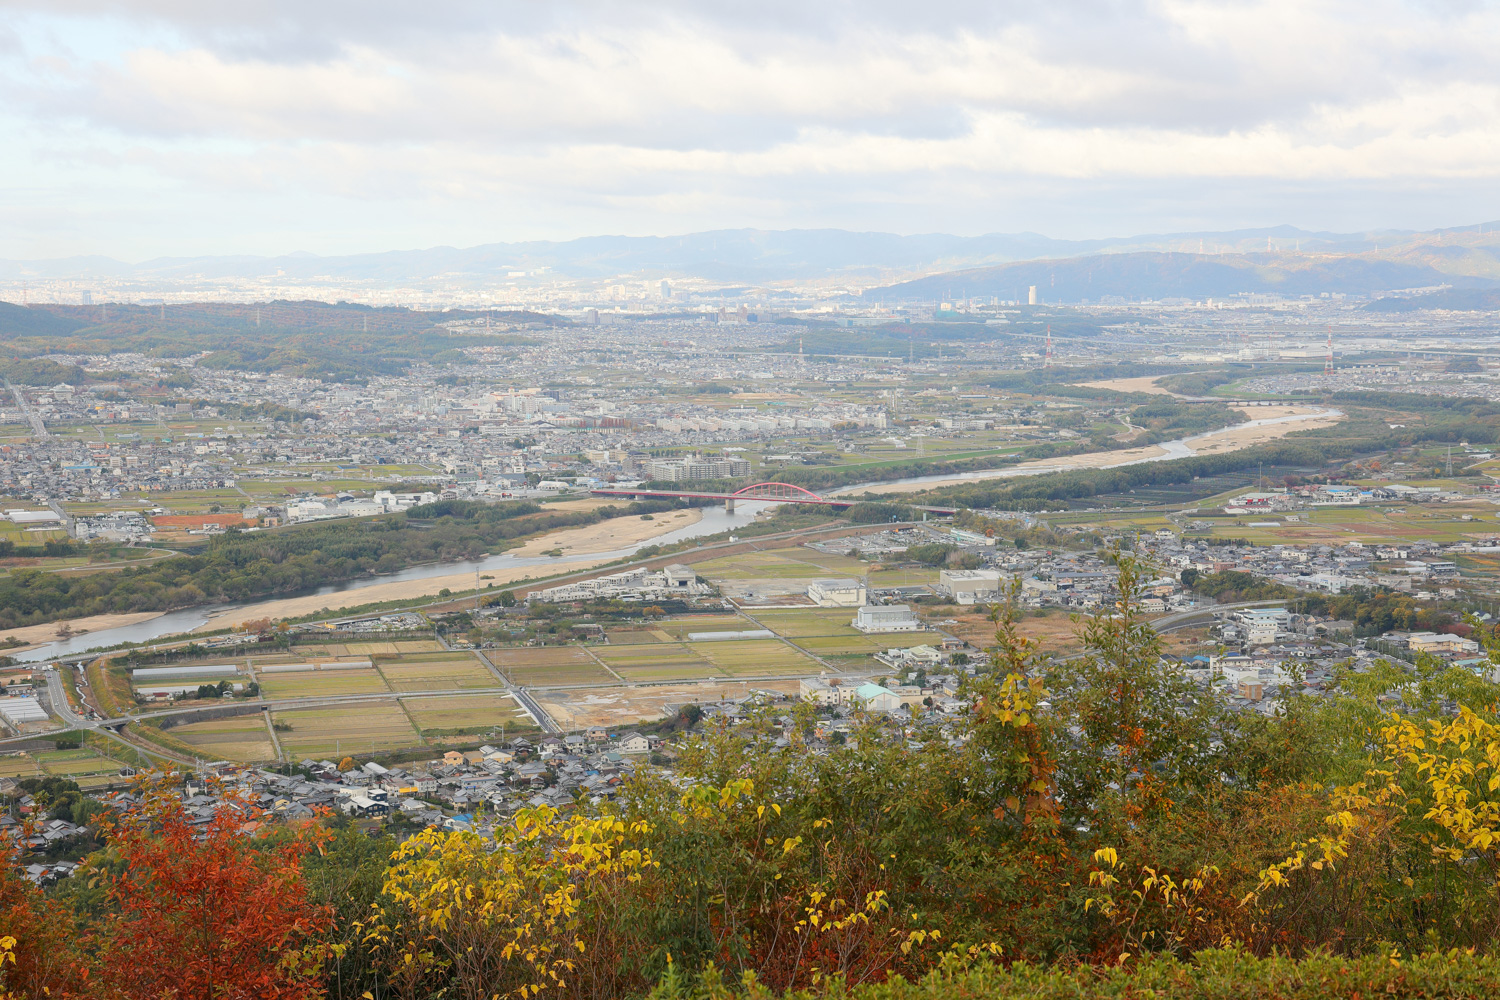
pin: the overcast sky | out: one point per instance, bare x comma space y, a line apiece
179, 127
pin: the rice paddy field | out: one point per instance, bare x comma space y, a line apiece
654, 662
827, 632
549, 665
322, 683
86, 766
752, 657
394, 648
241, 738
626, 706
457, 672
809, 621
473, 713
679, 628
797, 563
345, 729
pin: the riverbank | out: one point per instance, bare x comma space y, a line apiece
39, 635
609, 537
1266, 423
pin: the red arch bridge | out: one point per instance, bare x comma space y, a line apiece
760, 492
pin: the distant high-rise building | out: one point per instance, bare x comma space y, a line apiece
1031, 296
593, 317
666, 289
88, 298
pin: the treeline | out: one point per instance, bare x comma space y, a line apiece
1372, 611
247, 566
51, 547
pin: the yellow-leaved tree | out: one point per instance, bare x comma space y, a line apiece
504, 918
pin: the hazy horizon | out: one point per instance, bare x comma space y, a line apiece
145, 128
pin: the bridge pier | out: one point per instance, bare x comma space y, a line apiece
729, 505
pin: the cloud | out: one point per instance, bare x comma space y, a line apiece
727, 114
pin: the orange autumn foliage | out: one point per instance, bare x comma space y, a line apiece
227, 911
190, 910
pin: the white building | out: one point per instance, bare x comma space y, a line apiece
875, 698
968, 586
18, 711
837, 593
887, 618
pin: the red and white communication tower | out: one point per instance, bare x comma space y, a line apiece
1048, 362
1328, 364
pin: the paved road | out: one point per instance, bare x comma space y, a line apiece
59, 698
523, 697
1184, 619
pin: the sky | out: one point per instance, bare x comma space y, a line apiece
183, 127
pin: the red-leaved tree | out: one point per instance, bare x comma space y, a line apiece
207, 911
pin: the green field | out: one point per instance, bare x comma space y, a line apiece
88, 767
347, 729
478, 712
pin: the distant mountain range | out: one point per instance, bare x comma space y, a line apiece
1282, 259
1167, 275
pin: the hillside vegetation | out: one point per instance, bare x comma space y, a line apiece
1099, 827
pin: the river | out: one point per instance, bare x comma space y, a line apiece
714, 520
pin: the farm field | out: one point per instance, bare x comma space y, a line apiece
866, 643
661, 661
322, 683
798, 563
550, 665
319, 650
1339, 525
19, 765
750, 657
457, 671
347, 729
620, 706
638, 636
915, 576
394, 648
678, 628
241, 738
474, 713
809, 621
88, 767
